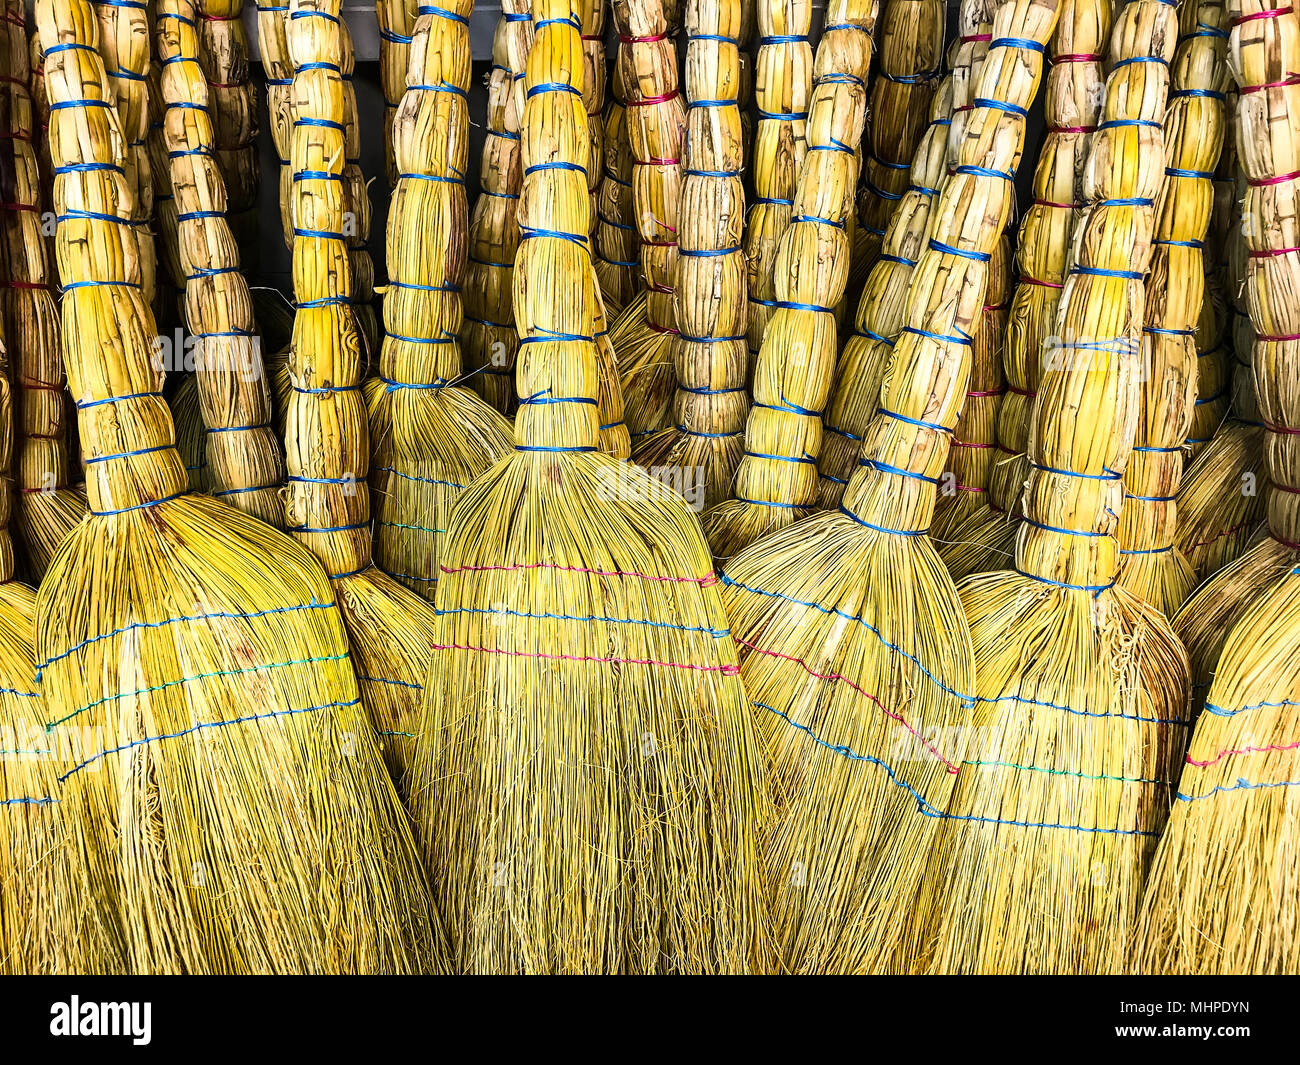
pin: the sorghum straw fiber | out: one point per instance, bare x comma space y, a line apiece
41, 901
592, 22
223, 54
1223, 892
1040, 857
244, 457
776, 481
356, 220
1151, 566
47, 506
396, 24
273, 46
1073, 99
857, 657
230, 781
618, 266
879, 317
441, 436
783, 77
609, 821
389, 627
488, 339
907, 73
700, 451
656, 121
1221, 500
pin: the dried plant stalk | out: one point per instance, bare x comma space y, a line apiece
1082, 687
592, 22
617, 241
273, 46
783, 82
396, 24
879, 317
356, 224
656, 122
488, 337
699, 453
223, 52
1074, 96
579, 593
441, 436
232, 782
1151, 566
1223, 890
244, 459
47, 506
776, 481
907, 73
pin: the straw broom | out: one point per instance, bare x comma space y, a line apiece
1082, 687
857, 656
488, 339
878, 320
168, 616
223, 52
699, 453
591, 17
243, 456
608, 822
879, 317
273, 46
396, 25
1223, 890
618, 243
783, 74
656, 122
1074, 95
907, 74
442, 436
47, 506
776, 481
356, 222
1151, 565
1221, 500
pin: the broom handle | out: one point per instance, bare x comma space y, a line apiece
553, 309
906, 446
1175, 286
242, 450
782, 88
1075, 488
488, 336
793, 374
711, 395
127, 436
1264, 53
1074, 99
422, 306
656, 126
43, 447
326, 439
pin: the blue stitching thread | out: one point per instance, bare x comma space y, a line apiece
591, 617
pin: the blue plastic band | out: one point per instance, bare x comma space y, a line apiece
935, 426
323, 123
1210, 93
551, 86
319, 234
1097, 271
413, 287
1116, 123
557, 450
948, 249
572, 23
807, 460
1000, 105
787, 305
426, 386
883, 194
1018, 42
711, 391
1158, 331
574, 238
82, 168
194, 216
1095, 589
1125, 201
871, 334
1106, 475
1141, 59
712, 103
786, 407
137, 506
707, 253
1150, 499
328, 528
1145, 550
237, 428
1195, 244
308, 13
924, 190
1173, 171
503, 133
880, 528
91, 216
92, 284
319, 66
942, 337
541, 399
63, 105
818, 220
842, 432
984, 171
616, 225
1061, 530
783, 116
555, 165
688, 172
898, 471
899, 259
783, 38
775, 200
324, 301
128, 454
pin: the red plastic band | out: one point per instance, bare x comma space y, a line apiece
1021, 392
663, 330
666, 290
659, 243
642, 40
591, 37
39, 386
12, 80
18, 135
224, 85
976, 447
1284, 543
1290, 79
996, 509
990, 307
20, 207
1258, 183
1282, 430
1272, 12
1025, 280
1279, 339
1269, 253
1076, 57
968, 488
31, 285
982, 395
1284, 488
963, 107
14, 20
647, 101
974, 37
219, 18
1071, 129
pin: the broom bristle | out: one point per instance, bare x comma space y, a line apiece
1082, 688
619, 244
228, 780
1220, 502
588, 789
